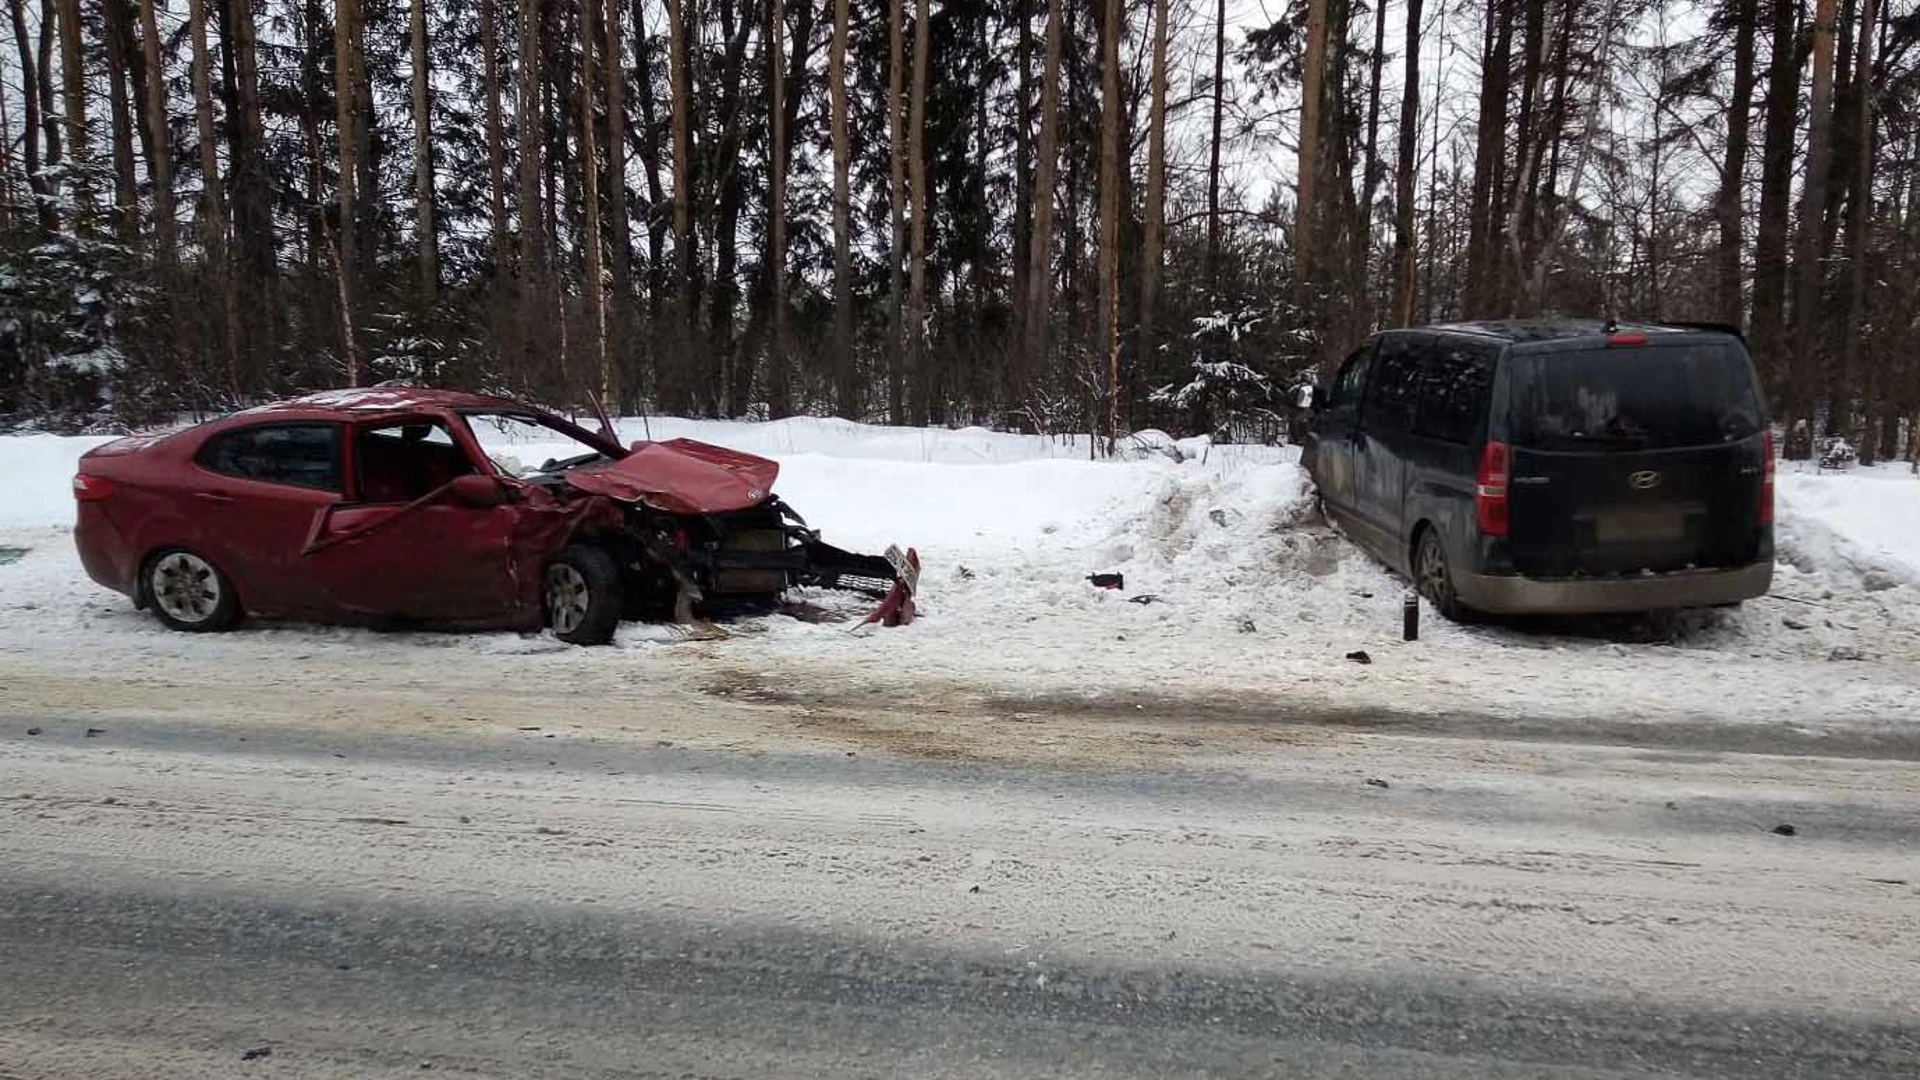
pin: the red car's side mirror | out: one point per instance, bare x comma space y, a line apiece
479, 491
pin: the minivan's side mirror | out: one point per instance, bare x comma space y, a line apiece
477, 491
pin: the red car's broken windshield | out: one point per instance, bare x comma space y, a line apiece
525, 445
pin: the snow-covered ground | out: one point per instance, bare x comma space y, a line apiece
1238, 598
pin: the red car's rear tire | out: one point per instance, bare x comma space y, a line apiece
583, 595
188, 592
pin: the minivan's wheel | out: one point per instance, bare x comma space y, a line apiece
1432, 577
189, 593
583, 595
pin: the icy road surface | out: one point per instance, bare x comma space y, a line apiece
659, 873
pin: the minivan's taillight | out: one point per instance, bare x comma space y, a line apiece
1490, 489
1766, 480
87, 488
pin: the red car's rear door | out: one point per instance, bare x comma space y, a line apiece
254, 496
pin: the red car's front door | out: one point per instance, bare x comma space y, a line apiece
401, 546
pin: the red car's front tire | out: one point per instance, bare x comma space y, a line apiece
583, 595
188, 592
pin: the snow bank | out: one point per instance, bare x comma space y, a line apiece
1234, 586
1864, 522
36, 478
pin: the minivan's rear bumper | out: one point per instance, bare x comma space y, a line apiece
1516, 595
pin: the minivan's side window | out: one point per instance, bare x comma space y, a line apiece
1395, 388
1456, 385
298, 455
1351, 380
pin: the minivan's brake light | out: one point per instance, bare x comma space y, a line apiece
1626, 339
1490, 488
1766, 480
87, 488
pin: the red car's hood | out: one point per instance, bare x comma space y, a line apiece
682, 476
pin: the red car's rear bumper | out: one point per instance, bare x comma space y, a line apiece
104, 549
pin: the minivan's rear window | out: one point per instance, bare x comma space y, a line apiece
1696, 393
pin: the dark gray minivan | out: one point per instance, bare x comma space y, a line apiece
1553, 466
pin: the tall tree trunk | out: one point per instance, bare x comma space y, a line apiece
614, 195
1859, 202
680, 107
1404, 169
1018, 379
778, 403
928, 388
1152, 242
529, 124
593, 284
1110, 107
1810, 244
1727, 203
1361, 288
429, 257
79, 153
50, 122
118, 32
1312, 99
30, 77
346, 249
657, 220
845, 369
252, 204
1490, 151
1040, 273
897, 198
496, 139
1210, 267
1776, 188
212, 215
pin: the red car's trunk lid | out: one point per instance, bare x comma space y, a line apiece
682, 476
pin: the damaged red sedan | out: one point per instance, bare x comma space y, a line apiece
385, 506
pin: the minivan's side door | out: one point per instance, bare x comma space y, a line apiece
1386, 434
1329, 451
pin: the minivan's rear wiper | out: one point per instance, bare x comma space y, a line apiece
1615, 440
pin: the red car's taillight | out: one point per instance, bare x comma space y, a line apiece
88, 488
1490, 489
1766, 481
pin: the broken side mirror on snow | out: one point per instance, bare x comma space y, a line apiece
480, 492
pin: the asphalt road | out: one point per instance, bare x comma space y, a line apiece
678, 884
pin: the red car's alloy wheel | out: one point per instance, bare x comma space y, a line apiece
188, 593
567, 599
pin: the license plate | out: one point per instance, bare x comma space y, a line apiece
904, 569
1639, 526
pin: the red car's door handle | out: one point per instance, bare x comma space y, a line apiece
213, 496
